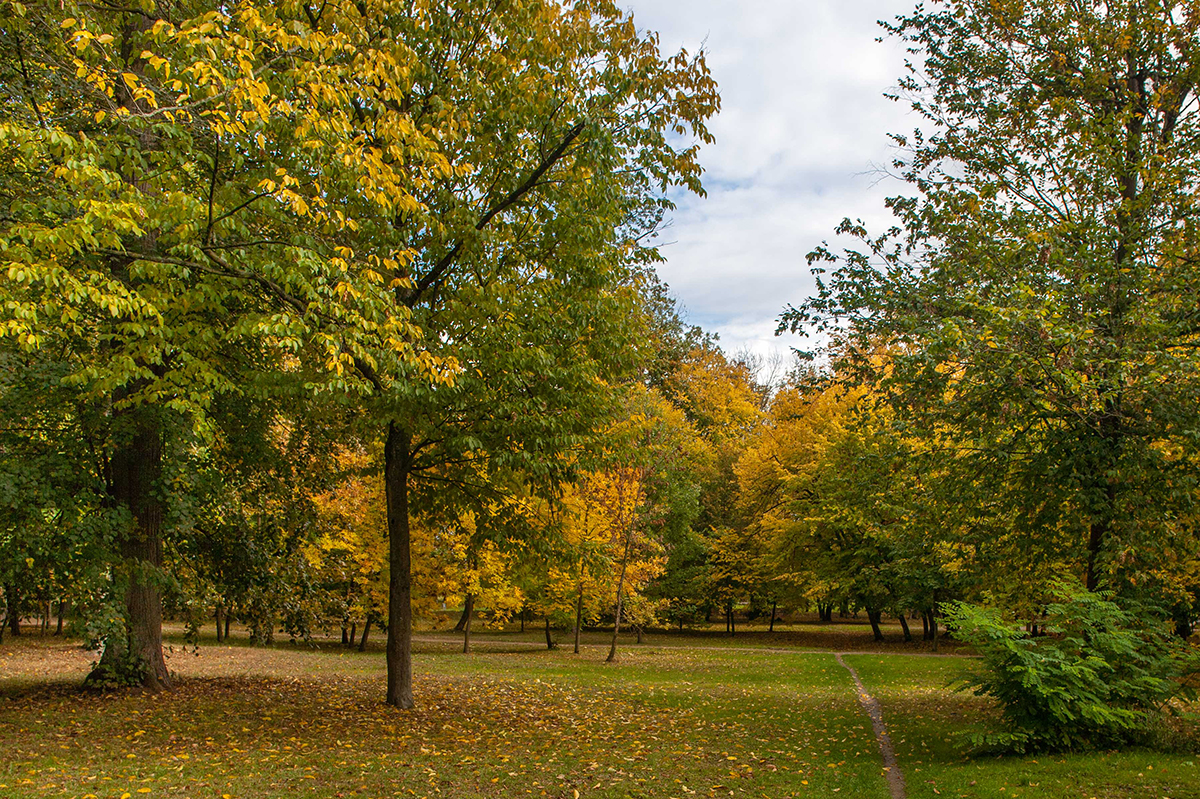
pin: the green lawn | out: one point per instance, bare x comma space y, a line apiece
666, 721
924, 718
285, 721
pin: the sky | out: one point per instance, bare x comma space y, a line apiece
801, 137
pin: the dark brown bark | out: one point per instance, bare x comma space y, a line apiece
14, 610
353, 633
397, 468
345, 633
874, 616
227, 624
549, 640
220, 626
466, 630
771, 629
904, 626
464, 619
732, 622
136, 469
362, 642
925, 634
578, 616
523, 612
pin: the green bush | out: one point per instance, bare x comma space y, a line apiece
1097, 678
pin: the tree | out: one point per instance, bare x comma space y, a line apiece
1038, 293
559, 126
184, 181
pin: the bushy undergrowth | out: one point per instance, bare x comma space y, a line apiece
1098, 676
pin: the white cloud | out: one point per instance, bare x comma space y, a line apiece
802, 129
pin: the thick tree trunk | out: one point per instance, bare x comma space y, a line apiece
345, 632
136, 469
465, 618
14, 610
227, 624
549, 639
466, 630
362, 642
353, 633
397, 466
925, 636
578, 616
771, 629
904, 626
638, 630
873, 616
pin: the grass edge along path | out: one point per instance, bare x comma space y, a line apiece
895, 777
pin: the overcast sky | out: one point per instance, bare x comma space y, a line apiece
803, 124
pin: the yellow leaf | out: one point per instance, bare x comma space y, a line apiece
68, 22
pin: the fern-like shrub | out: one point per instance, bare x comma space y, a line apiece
1098, 677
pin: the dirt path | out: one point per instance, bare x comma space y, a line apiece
895, 777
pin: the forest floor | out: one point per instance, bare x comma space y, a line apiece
678, 716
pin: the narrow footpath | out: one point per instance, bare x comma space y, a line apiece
895, 778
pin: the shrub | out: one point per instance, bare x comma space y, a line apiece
1097, 678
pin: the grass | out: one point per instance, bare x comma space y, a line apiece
676, 717
927, 720
289, 721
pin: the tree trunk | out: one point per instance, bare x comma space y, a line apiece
925, 636
220, 632
362, 642
578, 616
523, 619
933, 630
874, 616
397, 466
226, 624
46, 609
549, 640
466, 630
136, 470
345, 632
904, 626
465, 618
771, 629
638, 629
612, 650
732, 622
353, 633
14, 610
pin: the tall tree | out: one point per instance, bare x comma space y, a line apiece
1040, 295
561, 128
